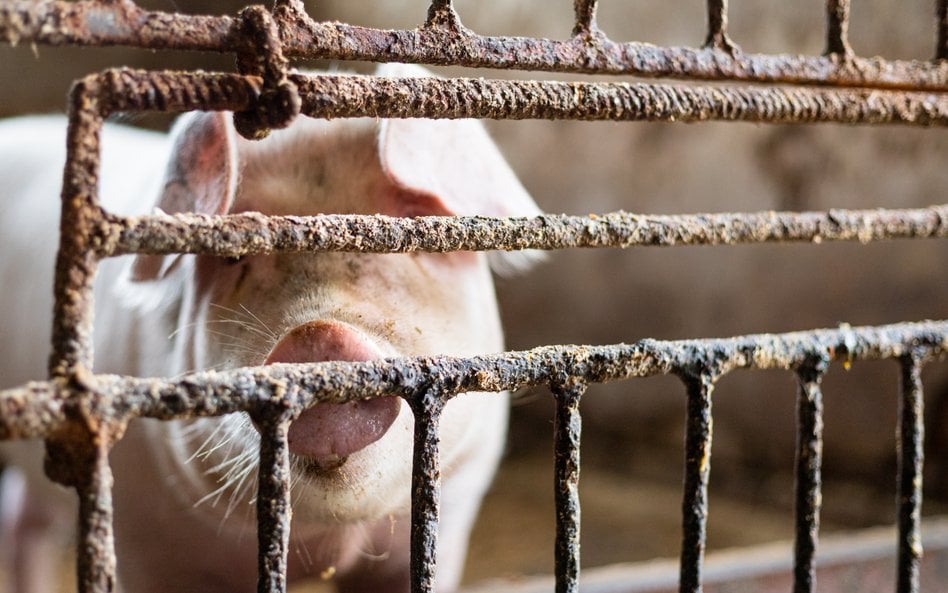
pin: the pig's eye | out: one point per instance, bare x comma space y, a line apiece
230, 261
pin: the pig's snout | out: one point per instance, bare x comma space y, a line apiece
328, 433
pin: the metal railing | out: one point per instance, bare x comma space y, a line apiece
81, 415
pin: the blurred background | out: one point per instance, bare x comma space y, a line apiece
633, 431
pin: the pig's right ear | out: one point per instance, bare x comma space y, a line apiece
201, 177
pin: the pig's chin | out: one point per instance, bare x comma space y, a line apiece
325, 435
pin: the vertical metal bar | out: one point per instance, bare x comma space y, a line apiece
717, 25
941, 49
697, 472
585, 16
79, 458
96, 559
911, 436
76, 261
274, 513
425, 491
837, 28
567, 430
441, 13
809, 460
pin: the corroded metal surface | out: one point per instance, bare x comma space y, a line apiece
426, 406
42, 408
274, 512
809, 465
250, 233
349, 96
445, 41
567, 432
81, 415
911, 439
694, 504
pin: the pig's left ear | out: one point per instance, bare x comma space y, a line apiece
201, 177
452, 167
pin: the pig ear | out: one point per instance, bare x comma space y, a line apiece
452, 167
201, 177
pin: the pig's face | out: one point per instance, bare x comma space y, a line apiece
351, 462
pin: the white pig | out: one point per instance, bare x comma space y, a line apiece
183, 490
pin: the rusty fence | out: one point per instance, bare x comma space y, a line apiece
81, 415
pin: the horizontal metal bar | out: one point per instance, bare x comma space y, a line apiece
91, 22
354, 96
36, 409
251, 233
123, 23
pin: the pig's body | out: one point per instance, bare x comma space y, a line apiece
183, 490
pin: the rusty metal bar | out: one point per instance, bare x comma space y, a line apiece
837, 28
279, 103
349, 96
78, 456
36, 409
717, 27
808, 462
694, 507
585, 17
274, 513
911, 438
89, 23
96, 565
567, 429
425, 489
941, 47
251, 234
75, 261
333, 96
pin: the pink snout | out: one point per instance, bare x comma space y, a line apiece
328, 433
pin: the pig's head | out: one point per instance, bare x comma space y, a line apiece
352, 461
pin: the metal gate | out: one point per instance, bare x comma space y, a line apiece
81, 415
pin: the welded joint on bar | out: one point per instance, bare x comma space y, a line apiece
279, 101
585, 25
814, 367
717, 29
442, 15
837, 29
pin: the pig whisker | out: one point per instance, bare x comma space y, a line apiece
248, 320
241, 490
203, 450
302, 552
266, 328
206, 368
233, 474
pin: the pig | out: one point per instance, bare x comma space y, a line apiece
183, 490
